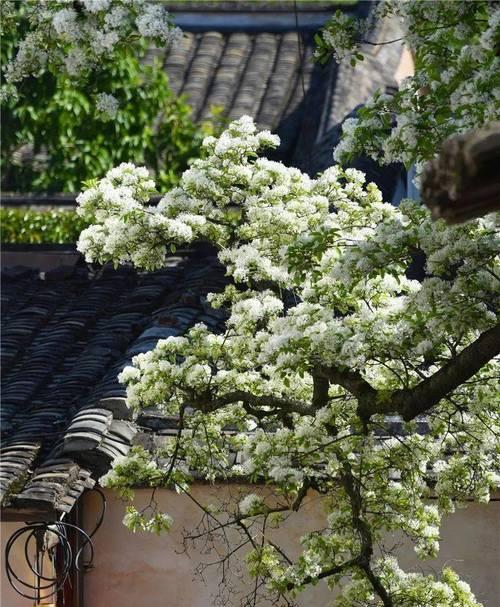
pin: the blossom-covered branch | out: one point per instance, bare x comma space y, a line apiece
456, 372
454, 89
77, 37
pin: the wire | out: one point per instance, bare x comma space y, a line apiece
301, 50
39, 532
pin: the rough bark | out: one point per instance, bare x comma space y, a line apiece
416, 401
408, 403
460, 369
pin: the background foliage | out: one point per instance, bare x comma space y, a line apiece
33, 226
455, 88
54, 138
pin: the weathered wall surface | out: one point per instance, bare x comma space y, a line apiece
148, 571
141, 569
10, 598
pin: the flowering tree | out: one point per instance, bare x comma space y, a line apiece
338, 374
456, 84
78, 37
78, 96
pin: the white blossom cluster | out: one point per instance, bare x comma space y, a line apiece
321, 277
77, 37
339, 36
455, 87
448, 591
157, 523
107, 105
250, 504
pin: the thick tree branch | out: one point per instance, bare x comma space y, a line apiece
407, 403
461, 368
411, 403
354, 383
321, 386
351, 487
350, 380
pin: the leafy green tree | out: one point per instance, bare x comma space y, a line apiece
62, 127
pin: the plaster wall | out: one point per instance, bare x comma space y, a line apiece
144, 570
10, 598
406, 67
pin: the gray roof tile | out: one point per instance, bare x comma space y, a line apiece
61, 396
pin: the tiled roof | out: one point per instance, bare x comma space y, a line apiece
250, 68
65, 337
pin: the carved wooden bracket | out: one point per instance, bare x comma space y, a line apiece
463, 182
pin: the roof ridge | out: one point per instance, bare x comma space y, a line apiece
259, 6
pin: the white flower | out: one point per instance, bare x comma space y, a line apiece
96, 6
107, 105
423, 347
128, 374
65, 23
81, 39
251, 504
103, 42
154, 23
75, 61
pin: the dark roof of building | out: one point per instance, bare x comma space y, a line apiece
249, 65
68, 332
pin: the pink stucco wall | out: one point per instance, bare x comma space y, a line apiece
144, 570
9, 598
140, 569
